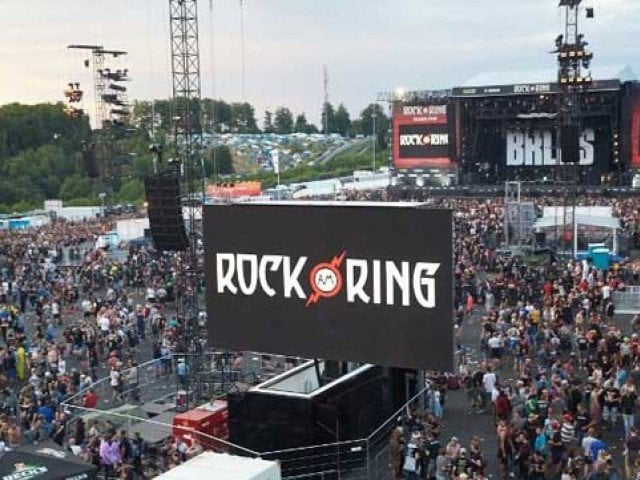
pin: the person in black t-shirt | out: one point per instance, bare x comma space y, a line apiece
583, 421
628, 402
611, 403
536, 467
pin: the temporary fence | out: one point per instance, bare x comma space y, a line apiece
363, 459
627, 301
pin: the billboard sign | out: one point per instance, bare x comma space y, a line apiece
527, 89
421, 137
53, 205
235, 190
359, 282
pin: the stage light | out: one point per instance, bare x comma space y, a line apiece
400, 93
559, 40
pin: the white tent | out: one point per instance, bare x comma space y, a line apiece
222, 466
610, 223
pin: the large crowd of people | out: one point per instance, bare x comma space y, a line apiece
552, 363
556, 368
71, 314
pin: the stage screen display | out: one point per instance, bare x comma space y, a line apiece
635, 132
359, 282
421, 137
538, 147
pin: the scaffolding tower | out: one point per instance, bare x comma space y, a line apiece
186, 83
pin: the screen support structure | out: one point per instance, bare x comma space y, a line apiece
512, 214
186, 86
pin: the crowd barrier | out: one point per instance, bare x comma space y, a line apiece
627, 301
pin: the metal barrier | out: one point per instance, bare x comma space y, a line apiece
627, 301
126, 421
362, 459
144, 383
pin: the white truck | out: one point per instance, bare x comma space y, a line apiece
224, 467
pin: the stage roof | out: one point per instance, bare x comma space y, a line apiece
624, 73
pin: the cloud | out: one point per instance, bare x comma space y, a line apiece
368, 45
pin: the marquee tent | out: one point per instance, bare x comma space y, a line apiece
45, 461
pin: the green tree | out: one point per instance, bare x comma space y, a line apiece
267, 123
342, 121
24, 127
218, 162
301, 124
76, 187
382, 123
131, 191
243, 119
283, 121
356, 127
328, 119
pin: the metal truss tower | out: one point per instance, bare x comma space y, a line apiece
186, 82
572, 57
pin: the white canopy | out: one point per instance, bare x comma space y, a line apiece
591, 220
224, 467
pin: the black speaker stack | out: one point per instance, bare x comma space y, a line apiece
90, 162
164, 208
570, 143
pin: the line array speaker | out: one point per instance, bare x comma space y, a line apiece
165, 211
570, 143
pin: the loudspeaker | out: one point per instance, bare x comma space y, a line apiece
590, 13
570, 143
89, 160
165, 211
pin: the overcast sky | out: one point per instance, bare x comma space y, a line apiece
367, 45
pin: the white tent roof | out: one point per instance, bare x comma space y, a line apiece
623, 73
222, 466
592, 220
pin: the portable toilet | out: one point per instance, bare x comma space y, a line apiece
595, 246
601, 258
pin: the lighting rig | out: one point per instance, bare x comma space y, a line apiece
112, 112
73, 95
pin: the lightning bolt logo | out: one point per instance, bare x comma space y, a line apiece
324, 274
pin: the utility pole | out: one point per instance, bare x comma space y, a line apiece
374, 136
242, 51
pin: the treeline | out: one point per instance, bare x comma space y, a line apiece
221, 117
43, 153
